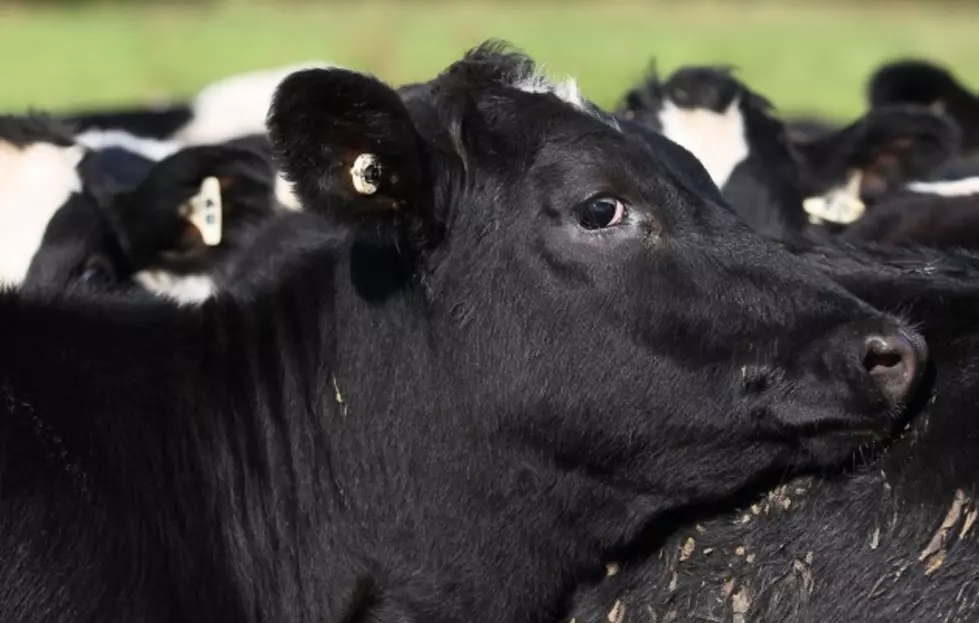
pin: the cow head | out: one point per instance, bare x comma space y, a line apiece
882, 150
158, 232
601, 311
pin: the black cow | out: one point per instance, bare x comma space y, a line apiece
921, 82
894, 540
532, 338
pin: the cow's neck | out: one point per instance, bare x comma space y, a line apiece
463, 525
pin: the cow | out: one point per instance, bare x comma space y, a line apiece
892, 539
778, 185
925, 83
734, 133
933, 213
97, 209
530, 339
875, 155
154, 238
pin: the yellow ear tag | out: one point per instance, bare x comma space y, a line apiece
840, 205
205, 211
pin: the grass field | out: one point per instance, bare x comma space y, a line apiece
807, 57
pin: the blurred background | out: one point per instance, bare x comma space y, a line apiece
807, 57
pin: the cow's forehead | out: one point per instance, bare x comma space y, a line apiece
492, 66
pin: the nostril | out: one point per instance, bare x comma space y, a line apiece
880, 358
893, 362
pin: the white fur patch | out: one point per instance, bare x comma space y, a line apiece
236, 106
148, 147
181, 288
285, 194
34, 183
949, 188
567, 90
716, 139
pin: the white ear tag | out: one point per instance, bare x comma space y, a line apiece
366, 174
205, 211
840, 205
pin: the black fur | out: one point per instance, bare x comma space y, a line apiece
855, 547
35, 127
417, 429
915, 218
913, 81
156, 122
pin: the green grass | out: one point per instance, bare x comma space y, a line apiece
805, 57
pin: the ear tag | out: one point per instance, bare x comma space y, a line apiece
840, 205
205, 211
366, 174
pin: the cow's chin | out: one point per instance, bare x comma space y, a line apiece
838, 447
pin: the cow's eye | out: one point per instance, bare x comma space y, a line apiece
97, 272
601, 212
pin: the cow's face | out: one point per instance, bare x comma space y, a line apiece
609, 314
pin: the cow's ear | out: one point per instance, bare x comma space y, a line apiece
187, 200
886, 148
347, 144
912, 81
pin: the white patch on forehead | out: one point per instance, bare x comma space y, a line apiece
34, 183
181, 288
285, 194
716, 139
566, 91
236, 106
947, 188
147, 147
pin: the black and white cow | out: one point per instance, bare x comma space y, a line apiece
223, 110
896, 539
228, 110
772, 181
97, 209
925, 83
532, 338
157, 237
733, 132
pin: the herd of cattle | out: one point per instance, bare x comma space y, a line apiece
310, 347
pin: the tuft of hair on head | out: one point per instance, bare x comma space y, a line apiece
496, 62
